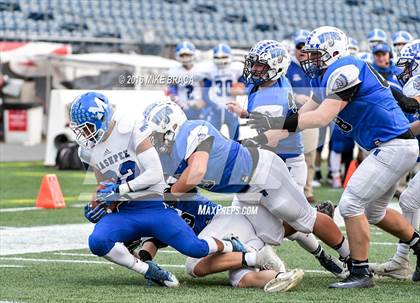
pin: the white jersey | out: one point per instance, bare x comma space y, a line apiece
412, 88
116, 159
222, 80
184, 85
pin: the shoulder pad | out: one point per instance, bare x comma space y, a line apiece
342, 78
84, 154
412, 87
197, 135
125, 125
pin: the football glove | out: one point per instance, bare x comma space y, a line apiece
106, 191
95, 214
262, 121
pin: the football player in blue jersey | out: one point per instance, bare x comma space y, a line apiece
353, 46
269, 92
222, 81
353, 94
129, 172
183, 87
382, 62
398, 266
399, 40
376, 36
204, 158
210, 219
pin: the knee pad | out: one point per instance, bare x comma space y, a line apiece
375, 215
236, 276
190, 265
99, 245
349, 206
407, 202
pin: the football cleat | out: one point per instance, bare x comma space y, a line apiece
326, 207
355, 281
284, 281
268, 259
333, 265
160, 276
237, 245
396, 267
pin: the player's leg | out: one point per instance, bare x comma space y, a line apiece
176, 233
107, 240
298, 170
398, 266
283, 198
233, 223
365, 198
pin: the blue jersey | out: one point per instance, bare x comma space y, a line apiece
277, 100
298, 79
390, 74
229, 166
197, 211
372, 115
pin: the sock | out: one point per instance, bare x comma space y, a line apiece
335, 163
211, 242
249, 259
306, 241
343, 248
414, 239
318, 252
403, 250
120, 255
359, 267
227, 246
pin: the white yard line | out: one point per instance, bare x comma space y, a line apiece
16, 209
11, 265
109, 263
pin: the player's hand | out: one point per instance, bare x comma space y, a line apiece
106, 191
235, 107
274, 136
95, 214
259, 120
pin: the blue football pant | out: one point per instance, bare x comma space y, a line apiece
146, 219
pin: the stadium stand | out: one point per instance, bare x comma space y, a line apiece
238, 22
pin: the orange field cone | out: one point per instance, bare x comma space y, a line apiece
50, 195
350, 171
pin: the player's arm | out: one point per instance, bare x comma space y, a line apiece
153, 173
196, 169
408, 105
415, 128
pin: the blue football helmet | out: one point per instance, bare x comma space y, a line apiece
222, 55
376, 36
353, 46
268, 53
90, 117
300, 36
185, 52
399, 39
409, 61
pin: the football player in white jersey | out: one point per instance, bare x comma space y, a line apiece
129, 172
221, 80
398, 266
183, 88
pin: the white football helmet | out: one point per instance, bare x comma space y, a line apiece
399, 39
324, 46
270, 53
376, 36
222, 55
409, 61
166, 118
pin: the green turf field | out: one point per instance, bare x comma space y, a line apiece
76, 276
